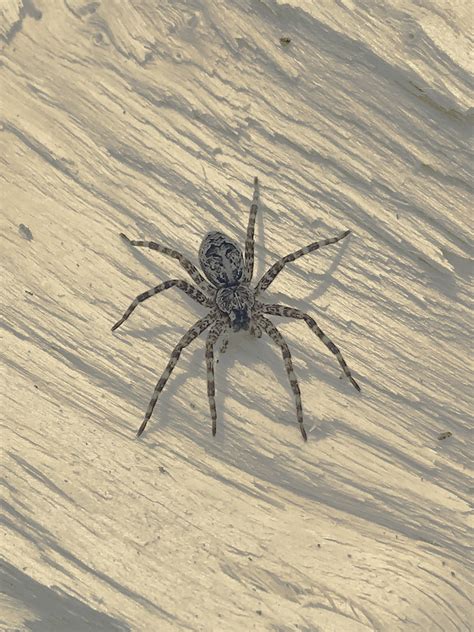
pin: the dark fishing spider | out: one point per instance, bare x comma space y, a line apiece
234, 304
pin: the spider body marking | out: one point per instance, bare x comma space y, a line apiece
233, 305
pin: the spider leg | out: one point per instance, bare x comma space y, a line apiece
276, 336
188, 337
186, 287
277, 267
291, 312
212, 337
255, 329
185, 263
250, 241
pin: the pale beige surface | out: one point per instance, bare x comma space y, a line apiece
120, 116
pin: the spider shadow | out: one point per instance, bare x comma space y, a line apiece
191, 362
151, 334
327, 276
225, 365
252, 352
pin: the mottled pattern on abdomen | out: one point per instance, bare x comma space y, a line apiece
221, 260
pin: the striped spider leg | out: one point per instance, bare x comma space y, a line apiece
214, 333
250, 238
186, 287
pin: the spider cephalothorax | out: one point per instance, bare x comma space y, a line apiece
233, 304
236, 302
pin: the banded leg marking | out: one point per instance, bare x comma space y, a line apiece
250, 238
212, 337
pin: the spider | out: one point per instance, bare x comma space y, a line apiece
233, 304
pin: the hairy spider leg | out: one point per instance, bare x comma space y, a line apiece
250, 239
212, 337
186, 287
276, 336
291, 312
170, 252
188, 337
278, 266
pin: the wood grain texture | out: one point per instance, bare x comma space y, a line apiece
152, 119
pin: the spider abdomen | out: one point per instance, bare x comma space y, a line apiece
221, 260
